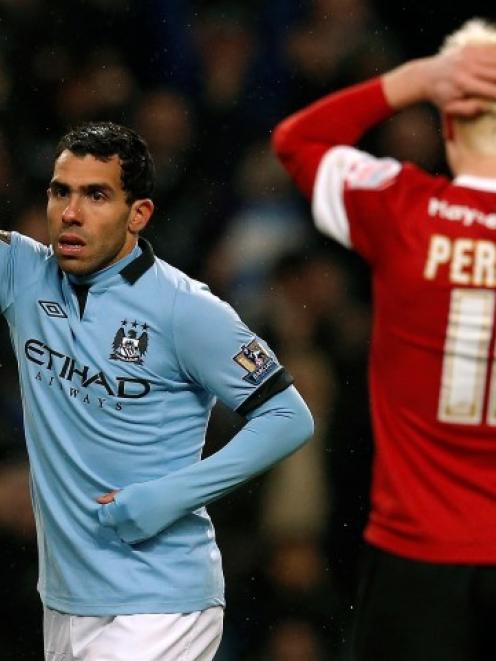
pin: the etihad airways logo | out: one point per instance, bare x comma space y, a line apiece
67, 369
461, 213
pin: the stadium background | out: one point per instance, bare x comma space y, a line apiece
205, 82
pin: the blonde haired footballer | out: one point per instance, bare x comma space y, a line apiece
428, 590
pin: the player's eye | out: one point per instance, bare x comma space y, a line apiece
97, 195
58, 191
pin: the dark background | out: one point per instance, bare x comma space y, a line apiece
205, 82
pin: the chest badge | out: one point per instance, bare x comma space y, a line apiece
129, 344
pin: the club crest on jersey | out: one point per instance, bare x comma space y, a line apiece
130, 345
256, 361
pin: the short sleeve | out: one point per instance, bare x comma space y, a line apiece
217, 351
19, 262
350, 200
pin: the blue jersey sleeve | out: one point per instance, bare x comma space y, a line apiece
217, 351
19, 262
273, 431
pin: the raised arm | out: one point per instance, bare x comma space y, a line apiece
459, 81
341, 118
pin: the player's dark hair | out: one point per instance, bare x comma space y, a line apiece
106, 139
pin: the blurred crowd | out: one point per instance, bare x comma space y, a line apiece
204, 83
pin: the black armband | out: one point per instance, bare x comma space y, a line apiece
274, 384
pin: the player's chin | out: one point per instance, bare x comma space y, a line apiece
76, 265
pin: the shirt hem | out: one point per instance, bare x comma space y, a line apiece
453, 552
134, 608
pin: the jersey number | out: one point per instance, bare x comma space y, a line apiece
466, 356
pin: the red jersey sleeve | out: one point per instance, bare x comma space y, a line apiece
301, 140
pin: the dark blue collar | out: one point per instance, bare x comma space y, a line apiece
131, 267
139, 266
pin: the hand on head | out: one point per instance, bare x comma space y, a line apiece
462, 81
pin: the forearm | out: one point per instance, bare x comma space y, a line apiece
408, 84
459, 81
277, 428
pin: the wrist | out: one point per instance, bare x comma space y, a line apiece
407, 84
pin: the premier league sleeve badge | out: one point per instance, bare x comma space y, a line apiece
256, 361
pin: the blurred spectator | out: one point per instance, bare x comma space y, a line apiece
16, 513
295, 495
104, 89
165, 119
227, 47
231, 106
10, 190
265, 224
414, 135
294, 640
339, 40
287, 583
32, 222
315, 310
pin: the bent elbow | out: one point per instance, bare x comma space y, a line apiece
279, 139
299, 155
311, 425
302, 426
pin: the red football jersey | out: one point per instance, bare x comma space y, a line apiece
431, 244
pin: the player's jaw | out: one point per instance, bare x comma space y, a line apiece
80, 254
74, 253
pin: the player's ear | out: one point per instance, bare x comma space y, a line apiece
141, 212
447, 127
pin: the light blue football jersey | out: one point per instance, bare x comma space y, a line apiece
117, 396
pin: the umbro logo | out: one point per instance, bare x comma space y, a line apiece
52, 309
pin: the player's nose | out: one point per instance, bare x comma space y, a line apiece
72, 213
